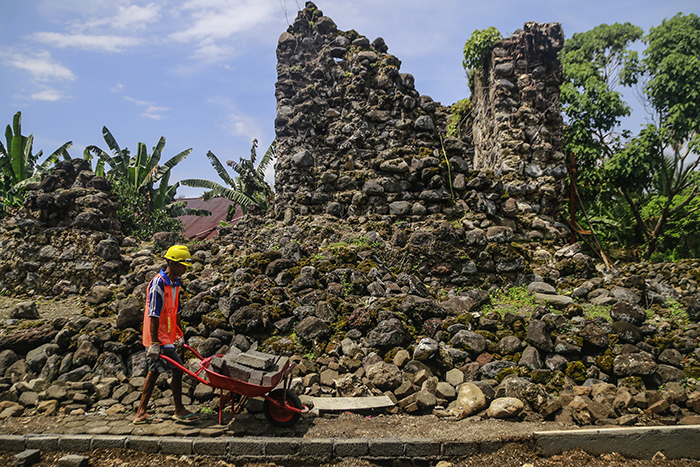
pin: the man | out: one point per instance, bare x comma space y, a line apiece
161, 330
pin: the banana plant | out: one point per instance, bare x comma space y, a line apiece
19, 166
249, 188
142, 171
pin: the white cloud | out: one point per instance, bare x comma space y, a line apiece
41, 66
243, 126
87, 42
211, 21
48, 94
118, 87
136, 16
152, 112
128, 16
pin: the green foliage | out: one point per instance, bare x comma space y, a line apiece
143, 172
596, 311
479, 46
642, 189
135, 215
19, 166
513, 300
595, 63
459, 112
248, 189
672, 61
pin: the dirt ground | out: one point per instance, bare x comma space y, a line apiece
514, 455
349, 425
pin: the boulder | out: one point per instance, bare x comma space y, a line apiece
24, 310
505, 407
470, 400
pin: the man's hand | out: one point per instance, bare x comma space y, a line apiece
154, 351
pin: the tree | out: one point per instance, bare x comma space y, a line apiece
143, 171
596, 63
18, 166
650, 179
248, 189
670, 146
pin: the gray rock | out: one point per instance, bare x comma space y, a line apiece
311, 328
99, 294
509, 345
425, 123
531, 359
129, 313
425, 349
628, 332
108, 250
85, 355
541, 287
385, 376
625, 311
538, 336
24, 310
388, 333
303, 159
634, 364
469, 341
624, 294
7, 358
492, 369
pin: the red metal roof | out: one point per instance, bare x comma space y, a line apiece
205, 227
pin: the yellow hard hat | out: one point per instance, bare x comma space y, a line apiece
179, 254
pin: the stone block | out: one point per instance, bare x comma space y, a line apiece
142, 443
420, 448
74, 460
245, 448
385, 447
42, 442
75, 443
12, 442
176, 446
210, 447
27, 458
357, 447
108, 442
317, 449
282, 447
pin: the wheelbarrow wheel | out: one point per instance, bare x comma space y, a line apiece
279, 415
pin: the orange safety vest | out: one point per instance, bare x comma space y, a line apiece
168, 330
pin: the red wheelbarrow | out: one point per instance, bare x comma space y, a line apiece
281, 407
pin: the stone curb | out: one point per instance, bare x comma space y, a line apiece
252, 449
675, 442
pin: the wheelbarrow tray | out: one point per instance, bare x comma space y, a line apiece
243, 388
282, 407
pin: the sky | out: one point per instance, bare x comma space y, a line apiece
201, 73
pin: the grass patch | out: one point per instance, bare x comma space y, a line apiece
513, 300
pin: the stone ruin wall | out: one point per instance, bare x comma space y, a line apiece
355, 137
517, 126
65, 239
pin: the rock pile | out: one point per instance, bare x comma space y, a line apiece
65, 238
586, 347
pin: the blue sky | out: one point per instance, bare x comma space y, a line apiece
202, 72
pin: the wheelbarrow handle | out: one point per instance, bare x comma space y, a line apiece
193, 351
182, 368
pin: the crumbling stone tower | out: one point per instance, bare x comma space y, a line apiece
355, 138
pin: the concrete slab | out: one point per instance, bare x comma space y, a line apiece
675, 442
351, 403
